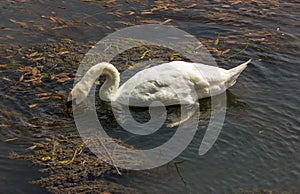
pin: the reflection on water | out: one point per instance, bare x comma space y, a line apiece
258, 147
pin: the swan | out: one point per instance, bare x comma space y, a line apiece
170, 83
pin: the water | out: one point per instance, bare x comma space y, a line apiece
258, 147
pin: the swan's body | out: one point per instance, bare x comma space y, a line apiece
171, 83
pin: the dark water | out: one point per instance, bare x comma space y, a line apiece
258, 147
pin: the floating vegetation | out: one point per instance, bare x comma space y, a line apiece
72, 168
243, 17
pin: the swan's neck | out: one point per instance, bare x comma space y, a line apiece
111, 83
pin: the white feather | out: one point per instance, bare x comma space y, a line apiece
176, 82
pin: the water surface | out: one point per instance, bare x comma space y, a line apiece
258, 147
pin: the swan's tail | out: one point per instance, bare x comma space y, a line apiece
235, 72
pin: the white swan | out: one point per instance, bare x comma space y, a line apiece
170, 83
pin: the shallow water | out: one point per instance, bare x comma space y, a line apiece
258, 147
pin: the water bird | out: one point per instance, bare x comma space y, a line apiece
170, 83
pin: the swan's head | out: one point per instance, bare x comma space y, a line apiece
77, 95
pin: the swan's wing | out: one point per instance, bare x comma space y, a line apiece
166, 84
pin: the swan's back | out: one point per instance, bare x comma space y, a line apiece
177, 82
